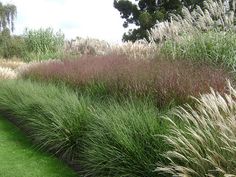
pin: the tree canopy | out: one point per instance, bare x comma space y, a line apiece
7, 16
145, 13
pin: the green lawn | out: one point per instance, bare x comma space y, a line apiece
19, 159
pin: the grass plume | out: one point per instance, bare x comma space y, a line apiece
7, 73
204, 143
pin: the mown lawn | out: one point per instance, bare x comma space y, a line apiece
19, 159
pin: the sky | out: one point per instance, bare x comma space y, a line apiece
83, 18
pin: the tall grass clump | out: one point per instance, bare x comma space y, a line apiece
214, 15
43, 44
121, 140
7, 73
206, 33
141, 49
214, 47
86, 46
204, 144
162, 79
94, 47
52, 117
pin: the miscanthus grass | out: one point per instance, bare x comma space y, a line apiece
217, 48
203, 144
141, 49
214, 15
205, 34
87, 46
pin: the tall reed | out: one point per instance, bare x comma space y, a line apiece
43, 44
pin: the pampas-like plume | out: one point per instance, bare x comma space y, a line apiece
7, 73
13, 64
141, 49
215, 14
204, 139
87, 46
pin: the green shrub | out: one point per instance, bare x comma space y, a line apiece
52, 116
43, 44
215, 47
11, 46
121, 140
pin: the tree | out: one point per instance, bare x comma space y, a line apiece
7, 16
145, 13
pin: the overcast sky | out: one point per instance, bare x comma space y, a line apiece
84, 18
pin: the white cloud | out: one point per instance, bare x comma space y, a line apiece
85, 18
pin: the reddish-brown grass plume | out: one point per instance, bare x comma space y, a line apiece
164, 79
